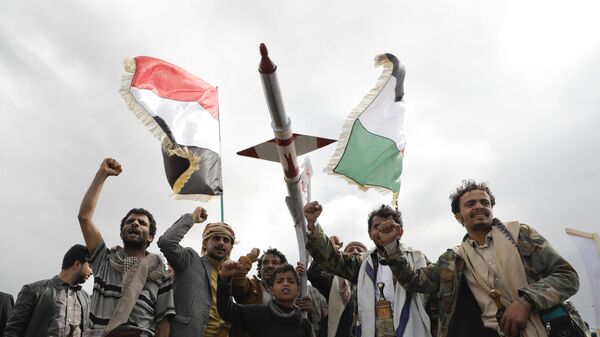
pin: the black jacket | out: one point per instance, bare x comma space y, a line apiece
259, 319
34, 309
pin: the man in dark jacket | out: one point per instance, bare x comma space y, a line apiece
57, 306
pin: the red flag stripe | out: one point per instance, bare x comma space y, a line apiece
169, 81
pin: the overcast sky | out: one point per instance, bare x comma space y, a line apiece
501, 91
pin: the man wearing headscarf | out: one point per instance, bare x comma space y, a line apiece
195, 284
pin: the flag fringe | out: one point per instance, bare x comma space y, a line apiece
138, 110
166, 143
386, 74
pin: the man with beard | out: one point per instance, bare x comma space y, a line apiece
196, 275
506, 262
404, 313
56, 307
133, 294
339, 293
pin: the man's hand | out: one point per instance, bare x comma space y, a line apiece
300, 269
305, 304
228, 269
110, 167
389, 231
515, 318
312, 210
253, 255
335, 241
199, 215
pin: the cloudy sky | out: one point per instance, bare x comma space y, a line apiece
501, 91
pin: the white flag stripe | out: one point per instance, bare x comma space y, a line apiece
189, 122
591, 259
385, 119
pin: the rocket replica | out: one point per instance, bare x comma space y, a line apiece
285, 148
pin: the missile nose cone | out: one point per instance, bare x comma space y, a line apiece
266, 66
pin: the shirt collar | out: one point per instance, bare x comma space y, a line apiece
488, 238
62, 284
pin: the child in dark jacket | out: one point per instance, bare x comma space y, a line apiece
279, 317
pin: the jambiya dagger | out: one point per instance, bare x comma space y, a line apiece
285, 148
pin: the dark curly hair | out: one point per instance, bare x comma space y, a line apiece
284, 268
272, 251
141, 211
469, 185
385, 211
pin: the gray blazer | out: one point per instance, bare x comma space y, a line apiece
191, 287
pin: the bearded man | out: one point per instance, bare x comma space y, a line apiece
196, 275
56, 307
133, 294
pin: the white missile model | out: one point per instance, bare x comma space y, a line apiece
285, 148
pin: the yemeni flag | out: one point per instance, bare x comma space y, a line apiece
182, 111
371, 146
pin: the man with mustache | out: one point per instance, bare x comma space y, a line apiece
405, 314
510, 261
133, 293
196, 275
56, 307
339, 293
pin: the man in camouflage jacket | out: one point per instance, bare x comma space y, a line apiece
551, 280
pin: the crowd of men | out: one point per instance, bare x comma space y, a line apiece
502, 279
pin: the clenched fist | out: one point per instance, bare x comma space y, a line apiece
199, 215
389, 231
335, 241
312, 210
228, 269
110, 167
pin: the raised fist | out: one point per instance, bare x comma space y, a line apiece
199, 215
253, 255
300, 269
228, 269
110, 167
335, 241
312, 210
389, 231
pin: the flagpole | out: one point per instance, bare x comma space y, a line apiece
222, 210
220, 154
593, 236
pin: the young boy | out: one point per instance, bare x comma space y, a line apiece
279, 317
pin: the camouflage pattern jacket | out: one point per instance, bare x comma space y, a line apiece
552, 280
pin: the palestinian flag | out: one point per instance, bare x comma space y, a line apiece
181, 110
371, 146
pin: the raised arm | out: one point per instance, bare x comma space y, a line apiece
322, 250
239, 315
91, 234
177, 256
423, 280
244, 290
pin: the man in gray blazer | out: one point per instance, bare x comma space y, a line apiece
195, 284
